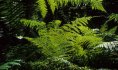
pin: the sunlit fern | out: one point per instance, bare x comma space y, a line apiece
113, 45
79, 26
33, 24
55, 4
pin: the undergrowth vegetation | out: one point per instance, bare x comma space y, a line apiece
55, 39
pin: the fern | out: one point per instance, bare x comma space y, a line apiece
71, 41
33, 24
78, 25
114, 17
51, 41
113, 45
54, 24
97, 4
9, 65
55, 4
108, 34
104, 28
112, 30
82, 21
42, 7
54, 63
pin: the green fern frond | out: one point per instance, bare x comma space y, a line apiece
82, 21
88, 41
52, 42
10, 64
97, 4
53, 5
54, 24
71, 28
62, 3
114, 17
113, 30
104, 28
42, 7
33, 24
79, 26
77, 2
86, 31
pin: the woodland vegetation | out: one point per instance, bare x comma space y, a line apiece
58, 35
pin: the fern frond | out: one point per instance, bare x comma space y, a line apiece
112, 30
10, 64
62, 3
88, 41
53, 5
54, 63
42, 7
54, 24
104, 28
72, 27
82, 21
113, 45
114, 17
33, 24
97, 4
86, 31
79, 26
52, 42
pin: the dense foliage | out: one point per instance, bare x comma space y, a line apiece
58, 34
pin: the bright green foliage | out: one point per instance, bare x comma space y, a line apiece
63, 46
51, 41
81, 21
71, 41
33, 24
97, 4
42, 7
79, 26
55, 4
88, 41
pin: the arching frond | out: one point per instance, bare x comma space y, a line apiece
42, 7
10, 64
97, 4
78, 26
88, 41
113, 30
113, 45
53, 5
82, 21
33, 24
114, 17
